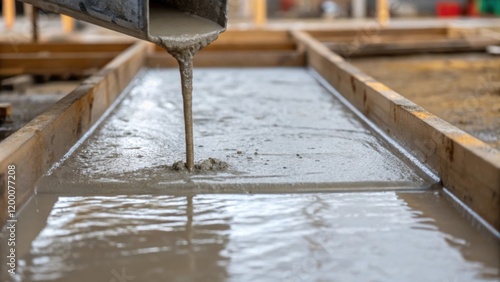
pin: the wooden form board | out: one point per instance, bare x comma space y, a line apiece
374, 40
252, 48
55, 58
233, 59
253, 40
439, 45
396, 34
468, 167
38, 145
62, 47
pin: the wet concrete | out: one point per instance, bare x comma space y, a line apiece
381, 236
114, 208
278, 130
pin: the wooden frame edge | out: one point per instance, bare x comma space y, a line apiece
47, 138
233, 59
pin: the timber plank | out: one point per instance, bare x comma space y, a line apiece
52, 63
233, 59
63, 47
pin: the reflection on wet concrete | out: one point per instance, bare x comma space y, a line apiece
275, 127
442, 214
152, 238
111, 211
382, 236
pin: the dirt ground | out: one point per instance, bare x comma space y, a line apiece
463, 89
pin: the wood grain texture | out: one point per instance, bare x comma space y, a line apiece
233, 59
62, 47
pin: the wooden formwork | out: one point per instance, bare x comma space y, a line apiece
254, 48
468, 168
56, 58
376, 41
42, 142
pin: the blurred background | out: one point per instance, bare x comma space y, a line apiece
357, 8
366, 8
241, 10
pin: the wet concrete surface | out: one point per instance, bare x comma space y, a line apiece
278, 130
112, 208
378, 236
